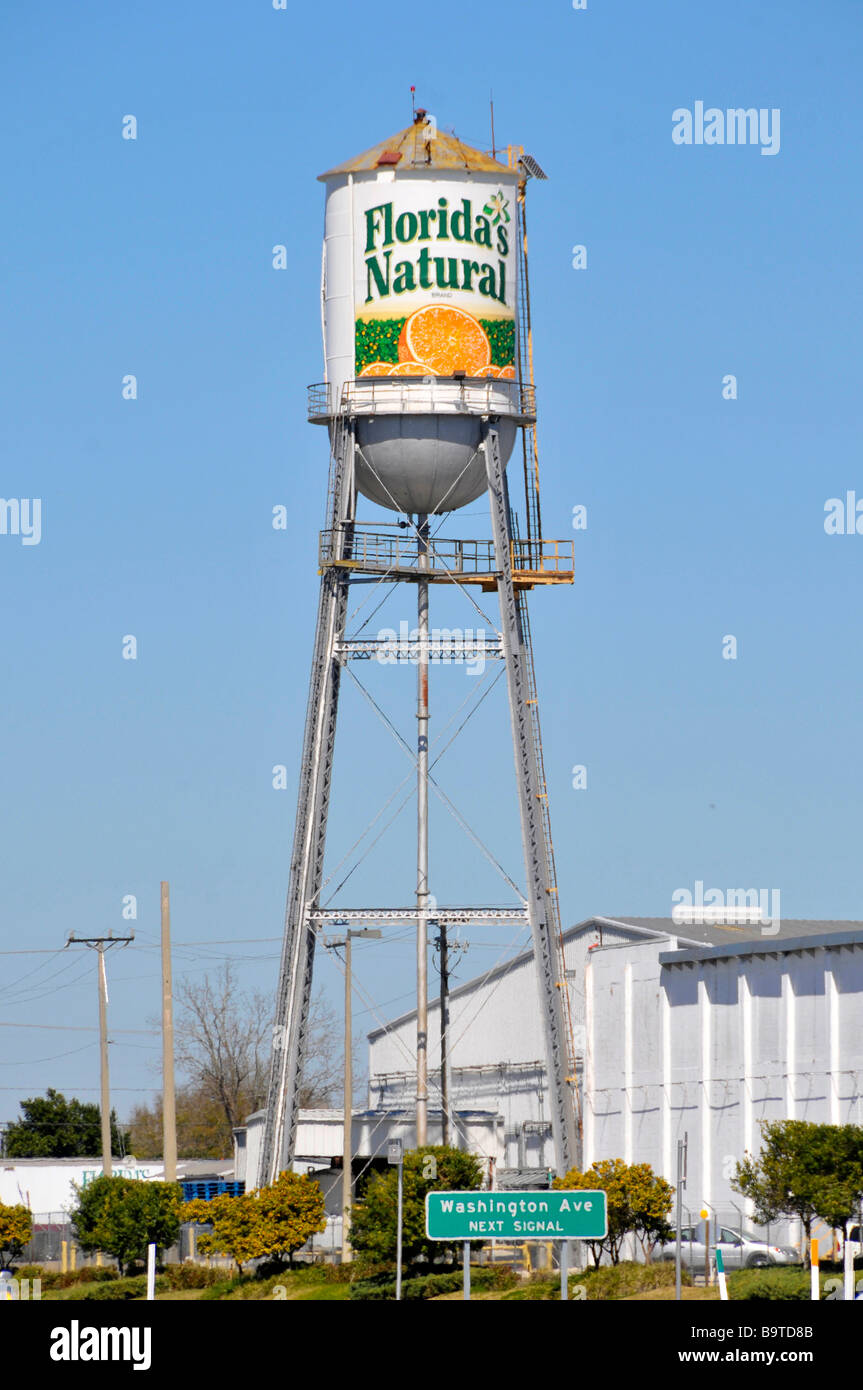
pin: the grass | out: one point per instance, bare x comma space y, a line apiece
696, 1295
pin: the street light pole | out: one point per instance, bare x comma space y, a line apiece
347, 1135
422, 832
395, 1156
682, 1147
347, 1118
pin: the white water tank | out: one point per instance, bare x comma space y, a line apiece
419, 299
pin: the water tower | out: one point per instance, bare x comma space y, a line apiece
429, 382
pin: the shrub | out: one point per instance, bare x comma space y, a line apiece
192, 1276
430, 1285
118, 1290
627, 1278
770, 1284
53, 1279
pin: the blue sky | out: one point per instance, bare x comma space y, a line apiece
705, 516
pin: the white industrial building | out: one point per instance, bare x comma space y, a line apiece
48, 1187
708, 1040
702, 1030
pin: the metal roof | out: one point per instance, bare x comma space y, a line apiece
780, 945
704, 934
409, 149
708, 934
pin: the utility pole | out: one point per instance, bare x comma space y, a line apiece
422, 831
100, 944
442, 944
104, 1096
347, 1129
169, 1105
444, 1028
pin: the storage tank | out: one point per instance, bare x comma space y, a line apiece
419, 296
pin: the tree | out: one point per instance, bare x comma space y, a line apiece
235, 1222
54, 1127
274, 1220
122, 1216
374, 1219
838, 1197
292, 1209
804, 1170
202, 1129
16, 1229
637, 1201
224, 1038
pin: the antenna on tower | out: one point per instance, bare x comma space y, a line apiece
493, 146
413, 104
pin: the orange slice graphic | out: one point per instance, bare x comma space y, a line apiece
410, 369
508, 373
445, 338
377, 369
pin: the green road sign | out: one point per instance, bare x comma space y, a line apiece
569, 1215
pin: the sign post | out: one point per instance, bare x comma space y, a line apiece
395, 1156
564, 1215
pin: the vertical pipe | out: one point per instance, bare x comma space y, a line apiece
399, 1230
848, 1264
103, 1046
679, 1217
347, 1147
815, 1283
422, 833
720, 1277
169, 1107
444, 1027
707, 1252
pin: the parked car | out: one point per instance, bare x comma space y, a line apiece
739, 1251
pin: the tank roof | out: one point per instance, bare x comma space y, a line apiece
409, 149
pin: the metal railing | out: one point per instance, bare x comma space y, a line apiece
385, 553
423, 395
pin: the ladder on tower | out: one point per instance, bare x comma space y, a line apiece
533, 521
553, 898
524, 348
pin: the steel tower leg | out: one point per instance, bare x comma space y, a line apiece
532, 832
298, 950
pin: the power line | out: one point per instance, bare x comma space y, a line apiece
32, 1061
78, 1028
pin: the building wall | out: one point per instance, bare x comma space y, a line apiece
46, 1184
496, 1051
714, 1046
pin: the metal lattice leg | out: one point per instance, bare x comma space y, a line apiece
295, 978
532, 831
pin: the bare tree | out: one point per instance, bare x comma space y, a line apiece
322, 1081
223, 1042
